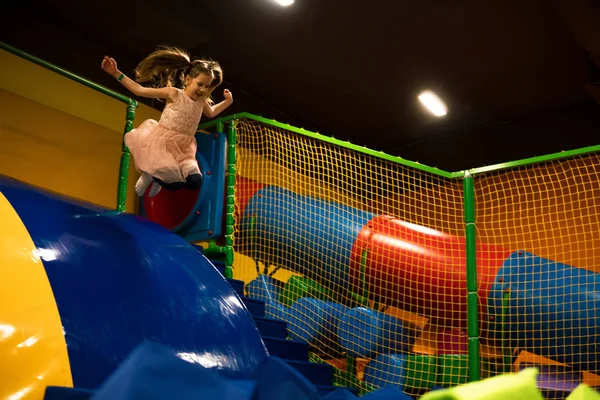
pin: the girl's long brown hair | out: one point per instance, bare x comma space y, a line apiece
169, 66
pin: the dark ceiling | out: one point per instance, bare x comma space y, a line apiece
512, 72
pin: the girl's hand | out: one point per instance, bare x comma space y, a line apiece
228, 96
109, 65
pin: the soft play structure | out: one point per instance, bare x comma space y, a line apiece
99, 303
83, 287
543, 301
354, 263
548, 301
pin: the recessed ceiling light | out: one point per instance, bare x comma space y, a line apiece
433, 103
284, 3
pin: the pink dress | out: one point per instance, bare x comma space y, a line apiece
167, 149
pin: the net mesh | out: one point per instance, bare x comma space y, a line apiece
544, 303
364, 258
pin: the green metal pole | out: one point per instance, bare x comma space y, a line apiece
472, 299
125, 156
213, 250
230, 199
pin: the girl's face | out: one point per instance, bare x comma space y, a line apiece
197, 88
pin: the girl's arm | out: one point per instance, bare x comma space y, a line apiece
212, 111
109, 65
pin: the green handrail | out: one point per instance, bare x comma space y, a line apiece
130, 116
400, 160
536, 160
331, 140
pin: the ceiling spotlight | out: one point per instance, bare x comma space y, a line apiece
433, 103
284, 3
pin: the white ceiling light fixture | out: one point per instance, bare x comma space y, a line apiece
433, 103
284, 3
